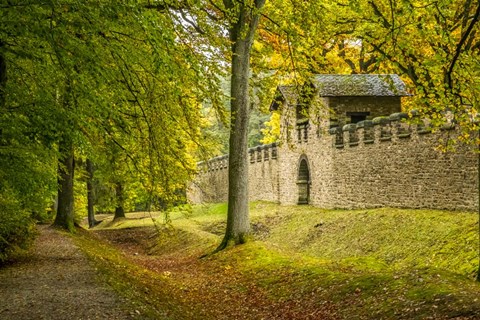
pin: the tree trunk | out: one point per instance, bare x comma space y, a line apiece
90, 196
66, 168
3, 76
119, 209
478, 188
241, 33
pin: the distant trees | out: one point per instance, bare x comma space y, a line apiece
90, 193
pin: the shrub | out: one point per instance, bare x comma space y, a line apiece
17, 228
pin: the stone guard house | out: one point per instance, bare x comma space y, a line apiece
346, 144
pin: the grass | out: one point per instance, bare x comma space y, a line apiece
306, 263
399, 238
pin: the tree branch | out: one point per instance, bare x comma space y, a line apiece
378, 13
458, 50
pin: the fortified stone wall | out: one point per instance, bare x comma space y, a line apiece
211, 183
401, 168
384, 162
264, 173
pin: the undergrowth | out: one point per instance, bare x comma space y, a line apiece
17, 228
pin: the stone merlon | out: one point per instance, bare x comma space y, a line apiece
351, 146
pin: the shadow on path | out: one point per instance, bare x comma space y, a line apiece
56, 282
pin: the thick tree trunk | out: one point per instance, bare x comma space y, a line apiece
238, 223
66, 168
241, 34
90, 196
478, 188
119, 209
3, 76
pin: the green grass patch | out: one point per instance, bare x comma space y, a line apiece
397, 238
133, 220
362, 264
157, 295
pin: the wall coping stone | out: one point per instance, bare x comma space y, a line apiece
398, 116
365, 124
351, 127
381, 120
334, 130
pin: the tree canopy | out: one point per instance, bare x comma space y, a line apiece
125, 84
117, 83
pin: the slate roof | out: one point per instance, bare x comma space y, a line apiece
358, 85
287, 93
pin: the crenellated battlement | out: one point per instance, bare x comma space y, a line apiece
374, 161
397, 126
214, 164
261, 153
387, 161
211, 183
264, 152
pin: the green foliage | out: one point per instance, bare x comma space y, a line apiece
27, 183
433, 45
256, 128
271, 132
17, 229
215, 132
214, 136
122, 82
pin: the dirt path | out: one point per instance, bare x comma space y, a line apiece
56, 282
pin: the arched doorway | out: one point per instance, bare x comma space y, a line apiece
303, 181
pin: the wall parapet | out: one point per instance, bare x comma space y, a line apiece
387, 161
261, 153
395, 127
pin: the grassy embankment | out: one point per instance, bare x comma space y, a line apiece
305, 263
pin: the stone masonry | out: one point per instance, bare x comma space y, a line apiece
384, 162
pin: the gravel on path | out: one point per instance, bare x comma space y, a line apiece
56, 282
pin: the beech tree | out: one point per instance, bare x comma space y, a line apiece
243, 19
207, 23
79, 74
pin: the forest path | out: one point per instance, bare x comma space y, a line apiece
56, 281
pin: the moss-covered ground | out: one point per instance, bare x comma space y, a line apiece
304, 263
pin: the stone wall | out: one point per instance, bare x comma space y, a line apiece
389, 163
385, 162
211, 183
375, 106
405, 170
